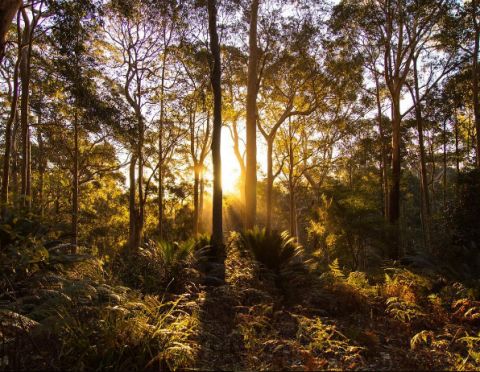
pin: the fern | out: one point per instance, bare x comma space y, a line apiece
421, 338
335, 270
273, 250
402, 310
472, 360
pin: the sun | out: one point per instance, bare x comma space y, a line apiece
230, 167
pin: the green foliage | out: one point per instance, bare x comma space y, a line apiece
133, 335
273, 250
77, 320
346, 226
159, 265
459, 232
26, 250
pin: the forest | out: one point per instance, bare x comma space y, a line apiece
239, 185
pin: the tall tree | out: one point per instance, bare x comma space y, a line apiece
252, 90
216, 81
136, 33
9, 132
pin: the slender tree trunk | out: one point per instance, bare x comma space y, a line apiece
215, 77
291, 183
292, 204
41, 167
384, 162
15, 160
457, 156
425, 207
444, 164
394, 194
201, 198
252, 90
269, 191
132, 209
196, 184
475, 88
160, 147
161, 198
240, 160
75, 185
432, 178
25, 83
9, 140
141, 198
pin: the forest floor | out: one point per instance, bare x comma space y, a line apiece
247, 323
238, 316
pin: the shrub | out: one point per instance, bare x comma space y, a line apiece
160, 264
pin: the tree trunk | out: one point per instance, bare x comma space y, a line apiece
269, 191
25, 83
444, 164
132, 205
75, 185
161, 197
200, 202
160, 147
384, 162
394, 194
252, 90
476, 100
141, 199
293, 214
8, 141
15, 160
291, 182
8, 9
457, 156
215, 77
196, 184
41, 167
425, 205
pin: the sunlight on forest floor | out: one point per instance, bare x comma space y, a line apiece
255, 320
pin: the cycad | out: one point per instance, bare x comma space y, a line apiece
274, 250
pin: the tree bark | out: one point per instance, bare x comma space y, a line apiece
75, 184
444, 164
215, 77
269, 190
141, 199
252, 90
200, 201
394, 194
425, 205
25, 128
15, 160
160, 146
132, 205
41, 167
475, 88
9, 140
457, 156
196, 185
8, 9
383, 150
